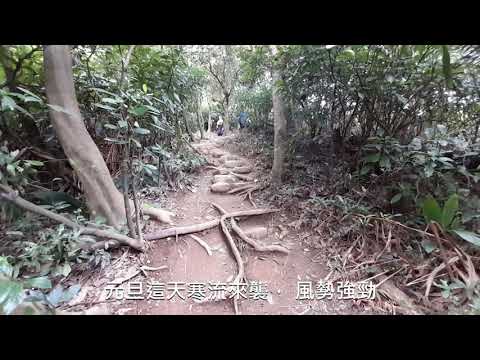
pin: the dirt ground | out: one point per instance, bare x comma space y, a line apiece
184, 261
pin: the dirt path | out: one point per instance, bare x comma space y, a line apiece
187, 262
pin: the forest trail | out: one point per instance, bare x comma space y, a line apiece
187, 262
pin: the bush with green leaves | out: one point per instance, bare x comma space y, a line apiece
449, 218
30, 293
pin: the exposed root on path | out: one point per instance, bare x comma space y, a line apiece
188, 229
258, 247
236, 253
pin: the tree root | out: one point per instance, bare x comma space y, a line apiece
11, 196
241, 269
202, 244
182, 230
262, 248
241, 188
231, 172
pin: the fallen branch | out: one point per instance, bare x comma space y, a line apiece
407, 306
432, 275
11, 196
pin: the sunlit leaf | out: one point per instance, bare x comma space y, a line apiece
142, 131
468, 236
396, 198
431, 210
39, 283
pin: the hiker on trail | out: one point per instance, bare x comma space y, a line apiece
220, 129
242, 120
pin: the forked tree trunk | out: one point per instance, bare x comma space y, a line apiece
103, 198
280, 130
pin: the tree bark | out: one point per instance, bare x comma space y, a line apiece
125, 63
200, 122
280, 130
187, 128
103, 198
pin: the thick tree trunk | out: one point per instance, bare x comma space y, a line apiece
280, 130
103, 198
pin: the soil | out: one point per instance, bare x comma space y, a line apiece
186, 261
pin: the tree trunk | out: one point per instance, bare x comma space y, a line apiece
103, 198
226, 119
209, 130
187, 128
200, 122
125, 63
280, 130
291, 125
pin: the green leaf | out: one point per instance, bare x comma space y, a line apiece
402, 99
71, 292
8, 103
112, 101
431, 210
144, 87
142, 131
64, 270
449, 211
104, 107
59, 109
35, 163
468, 236
384, 162
138, 110
396, 198
39, 283
428, 246
11, 169
136, 143
428, 170
373, 158
365, 170
11, 295
30, 93
32, 99
104, 91
122, 124
110, 126
55, 296
5, 268
23, 111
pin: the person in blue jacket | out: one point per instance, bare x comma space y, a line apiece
242, 120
